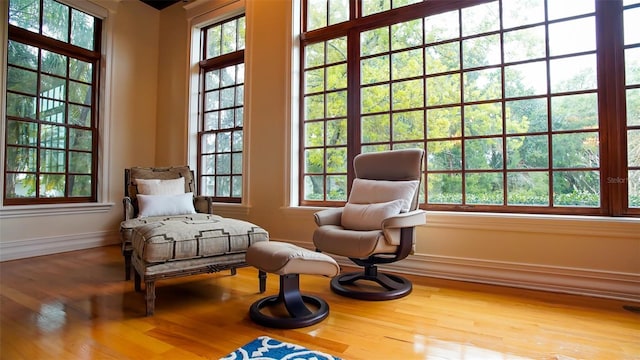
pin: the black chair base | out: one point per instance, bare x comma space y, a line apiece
390, 286
295, 303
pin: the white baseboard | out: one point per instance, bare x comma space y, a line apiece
25, 248
603, 284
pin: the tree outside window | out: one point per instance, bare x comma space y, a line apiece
53, 55
508, 98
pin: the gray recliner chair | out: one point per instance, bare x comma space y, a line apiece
376, 225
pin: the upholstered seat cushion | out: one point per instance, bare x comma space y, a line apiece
172, 240
127, 226
283, 258
353, 244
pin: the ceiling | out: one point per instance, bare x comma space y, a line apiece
160, 4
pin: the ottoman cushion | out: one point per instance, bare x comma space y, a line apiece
174, 240
284, 258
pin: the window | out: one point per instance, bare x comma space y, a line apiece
220, 130
53, 56
508, 99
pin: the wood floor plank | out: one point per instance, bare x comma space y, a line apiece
77, 306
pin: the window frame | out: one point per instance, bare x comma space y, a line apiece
205, 65
611, 104
94, 57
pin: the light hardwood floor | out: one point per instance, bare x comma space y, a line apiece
77, 306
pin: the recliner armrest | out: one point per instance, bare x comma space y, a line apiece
403, 220
203, 204
332, 216
129, 211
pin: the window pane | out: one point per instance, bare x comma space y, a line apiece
80, 70
22, 55
483, 153
80, 162
633, 148
25, 14
576, 188
408, 126
632, 66
633, 107
338, 11
574, 112
375, 99
80, 115
484, 189
526, 116
524, 44
408, 94
480, 19
630, 22
525, 79
406, 34
313, 187
336, 160
634, 188
337, 132
79, 93
20, 80
81, 29
314, 161
528, 152
528, 188
336, 50
444, 155
522, 12
54, 64
440, 27
20, 185
441, 58
337, 187
375, 128
482, 85
444, 123
80, 139
375, 6
573, 73
236, 186
444, 189
374, 41
55, 23
80, 185
21, 133
374, 70
558, 9
21, 159
443, 90
21, 106
407, 64
213, 42
576, 150
316, 14
314, 134
223, 186
561, 42
481, 51
337, 104
483, 119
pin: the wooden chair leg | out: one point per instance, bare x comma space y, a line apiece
137, 281
150, 296
262, 277
127, 264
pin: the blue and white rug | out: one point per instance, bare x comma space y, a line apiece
266, 348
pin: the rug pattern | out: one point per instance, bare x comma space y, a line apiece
266, 348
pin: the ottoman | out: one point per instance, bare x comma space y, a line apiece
289, 261
169, 249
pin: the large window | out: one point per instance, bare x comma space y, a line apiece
519, 104
220, 130
53, 55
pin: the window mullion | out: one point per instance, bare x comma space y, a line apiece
611, 104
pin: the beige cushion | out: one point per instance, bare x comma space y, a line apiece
160, 187
284, 258
372, 201
165, 205
364, 191
369, 216
163, 241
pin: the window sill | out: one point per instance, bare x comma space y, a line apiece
58, 209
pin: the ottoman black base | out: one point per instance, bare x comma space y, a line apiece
299, 315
